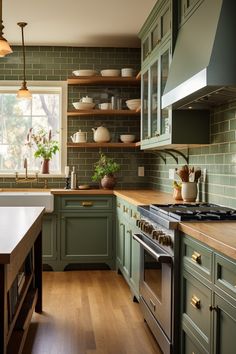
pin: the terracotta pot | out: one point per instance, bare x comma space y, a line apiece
189, 191
108, 182
45, 166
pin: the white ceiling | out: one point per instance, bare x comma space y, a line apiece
76, 22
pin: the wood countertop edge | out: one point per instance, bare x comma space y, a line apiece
209, 240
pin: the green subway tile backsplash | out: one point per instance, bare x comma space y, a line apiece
57, 63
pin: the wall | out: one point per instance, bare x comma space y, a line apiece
219, 159
57, 63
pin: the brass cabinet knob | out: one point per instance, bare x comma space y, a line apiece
195, 302
87, 204
196, 257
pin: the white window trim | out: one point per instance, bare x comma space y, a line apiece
32, 85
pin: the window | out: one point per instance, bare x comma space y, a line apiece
44, 111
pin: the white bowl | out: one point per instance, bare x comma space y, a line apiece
127, 72
105, 105
127, 138
85, 72
110, 72
83, 105
134, 104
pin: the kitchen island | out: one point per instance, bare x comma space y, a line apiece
20, 273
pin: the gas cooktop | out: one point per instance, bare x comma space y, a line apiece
197, 211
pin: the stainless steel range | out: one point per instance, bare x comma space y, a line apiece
160, 255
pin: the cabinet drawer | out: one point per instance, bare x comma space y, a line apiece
191, 346
196, 301
198, 257
225, 274
85, 202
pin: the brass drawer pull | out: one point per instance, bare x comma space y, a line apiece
87, 204
196, 257
195, 302
118, 205
135, 216
125, 210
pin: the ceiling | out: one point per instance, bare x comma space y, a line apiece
79, 23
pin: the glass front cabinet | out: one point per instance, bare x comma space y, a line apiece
155, 125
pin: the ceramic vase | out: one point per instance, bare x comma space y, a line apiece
189, 191
45, 166
108, 182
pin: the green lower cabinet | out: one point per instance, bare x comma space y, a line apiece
87, 237
49, 232
208, 301
127, 249
224, 327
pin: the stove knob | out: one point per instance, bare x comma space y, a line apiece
165, 240
149, 229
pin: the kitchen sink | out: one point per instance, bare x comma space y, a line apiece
27, 198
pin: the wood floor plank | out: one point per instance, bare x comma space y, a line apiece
88, 312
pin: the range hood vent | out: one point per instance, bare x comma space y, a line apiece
203, 69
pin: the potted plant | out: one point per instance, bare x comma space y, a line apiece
45, 146
104, 170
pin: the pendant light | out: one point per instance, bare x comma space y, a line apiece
4, 46
23, 92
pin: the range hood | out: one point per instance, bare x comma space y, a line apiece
203, 69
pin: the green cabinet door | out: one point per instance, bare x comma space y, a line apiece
127, 252
225, 327
49, 232
87, 237
120, 238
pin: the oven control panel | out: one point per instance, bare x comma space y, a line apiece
159, 234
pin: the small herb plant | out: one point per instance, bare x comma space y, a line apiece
43, 143
105, 166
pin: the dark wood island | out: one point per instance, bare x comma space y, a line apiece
20, 273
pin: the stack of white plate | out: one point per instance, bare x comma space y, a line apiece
85, 72
110, 72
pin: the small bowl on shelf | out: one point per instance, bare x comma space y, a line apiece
127, 138
110, 72
83, 105
127, 72
134, 104
85, 72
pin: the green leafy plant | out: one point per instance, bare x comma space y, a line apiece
43, 143
105, 166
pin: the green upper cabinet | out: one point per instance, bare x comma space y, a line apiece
156, 29
155, 121
164, 127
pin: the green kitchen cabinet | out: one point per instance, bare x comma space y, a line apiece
208, 300
49, 239
156, 30
86, 230
127, 249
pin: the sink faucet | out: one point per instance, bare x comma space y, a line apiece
26, 168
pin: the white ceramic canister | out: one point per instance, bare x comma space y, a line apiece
189, 191
127, 72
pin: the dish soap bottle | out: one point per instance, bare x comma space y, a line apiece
73, 179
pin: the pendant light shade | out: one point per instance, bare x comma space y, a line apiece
4, 46
23, 92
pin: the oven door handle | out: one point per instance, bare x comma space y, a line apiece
160, 257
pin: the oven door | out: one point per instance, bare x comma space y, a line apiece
156, 280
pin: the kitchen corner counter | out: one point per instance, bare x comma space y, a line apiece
215, 234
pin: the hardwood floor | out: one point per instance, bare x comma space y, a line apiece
88, 312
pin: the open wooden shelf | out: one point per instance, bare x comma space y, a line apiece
103, 112
19, 333
104, 80
98, 145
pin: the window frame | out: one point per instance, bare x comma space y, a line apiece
37, 87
